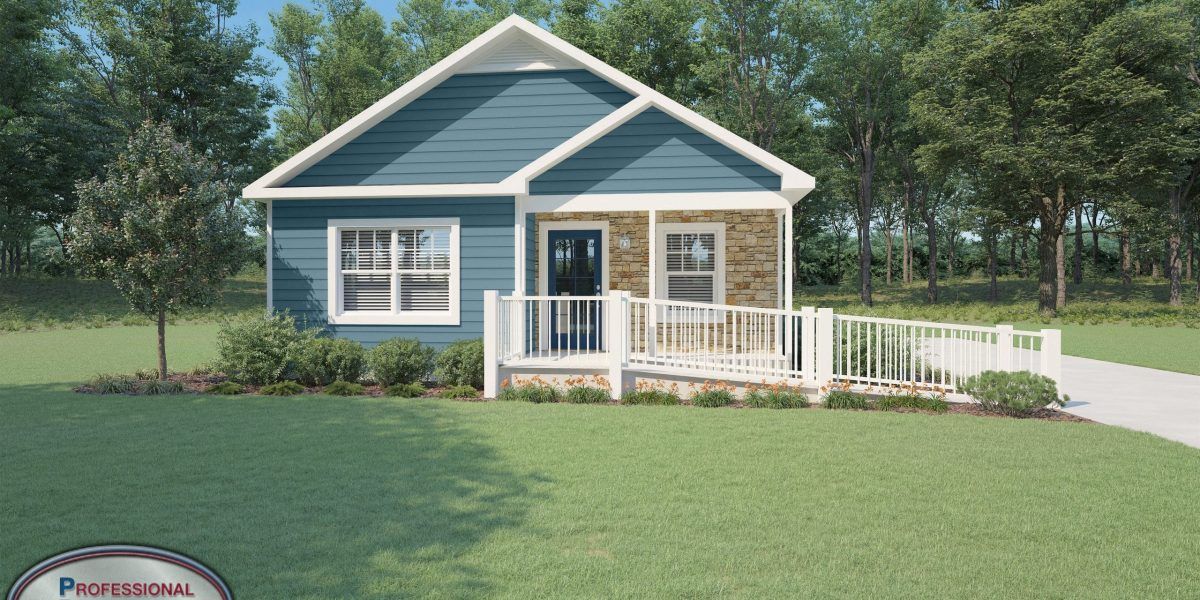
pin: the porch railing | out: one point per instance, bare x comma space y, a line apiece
808, 346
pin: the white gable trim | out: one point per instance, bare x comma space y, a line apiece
795, 183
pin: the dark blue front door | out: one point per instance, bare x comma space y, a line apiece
575, 261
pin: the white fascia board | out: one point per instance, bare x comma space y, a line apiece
791, 177
383, 191
656, 201
368, 118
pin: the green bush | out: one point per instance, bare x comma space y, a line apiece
405, 390
915, 401
459, 392
344, 388
846, 400
461, 363
260, 351
775, 397
283, 388
586, 394
155, 387
1015, 394
145, 374
225, 388
321, 361
712, 396
401, 360
648, 394
107, 383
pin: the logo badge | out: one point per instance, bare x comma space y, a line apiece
119, 572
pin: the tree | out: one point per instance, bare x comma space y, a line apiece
179, 62
157, 227
857, 80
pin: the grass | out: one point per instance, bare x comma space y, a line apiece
332, 497
35, 303
1103, 321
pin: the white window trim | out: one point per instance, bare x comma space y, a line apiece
660, 268
544, 229
335, 314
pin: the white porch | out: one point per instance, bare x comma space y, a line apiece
619, 336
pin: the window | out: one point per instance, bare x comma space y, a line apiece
692, 263
394, 271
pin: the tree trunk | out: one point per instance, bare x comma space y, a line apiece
1024, 255
1077, 265
931, 293
906, 248
1093, 219
950, 239
1012, 253
1174, 244
1191, 254
1047, 242
993, 287
1060, 271
865, 179
162, 345
889, 236
1126, 258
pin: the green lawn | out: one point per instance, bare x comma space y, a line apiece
322, 497
32, 303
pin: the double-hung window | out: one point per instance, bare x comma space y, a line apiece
691, 266
394, 271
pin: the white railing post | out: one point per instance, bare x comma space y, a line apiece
1004, 347
617, 330
808, 340
516, 328
824, 346
491, 321
1051, 354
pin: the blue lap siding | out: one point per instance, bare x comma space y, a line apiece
299, 269
476, 128
654, 152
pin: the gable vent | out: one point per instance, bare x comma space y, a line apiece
518, 55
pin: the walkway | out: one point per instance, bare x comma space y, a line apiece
1160, 402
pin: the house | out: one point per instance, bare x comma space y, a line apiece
524, 165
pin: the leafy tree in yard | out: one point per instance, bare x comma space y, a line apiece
157, 227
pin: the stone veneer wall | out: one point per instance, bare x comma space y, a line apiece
751, 247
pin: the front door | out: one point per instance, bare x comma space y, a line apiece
575, 270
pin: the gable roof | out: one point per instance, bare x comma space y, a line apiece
512, 44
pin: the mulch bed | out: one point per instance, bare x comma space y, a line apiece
198, 384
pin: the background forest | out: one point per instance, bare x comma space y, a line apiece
1006, 141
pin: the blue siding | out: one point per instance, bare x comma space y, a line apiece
470, 129
654, 152
299, 229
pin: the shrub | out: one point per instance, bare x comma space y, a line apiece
713, 395
401, 360
321, 361
459, 392
652, 394
461, 363
154, 387
535, 390
845, 400
1016, 393
344, 388
106, 383
145, 374
405, 390
225, 388
913, 400
259, 351
775, 396
581, 390
283, 388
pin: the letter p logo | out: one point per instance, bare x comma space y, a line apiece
64, 584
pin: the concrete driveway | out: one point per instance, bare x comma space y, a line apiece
1159, 402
